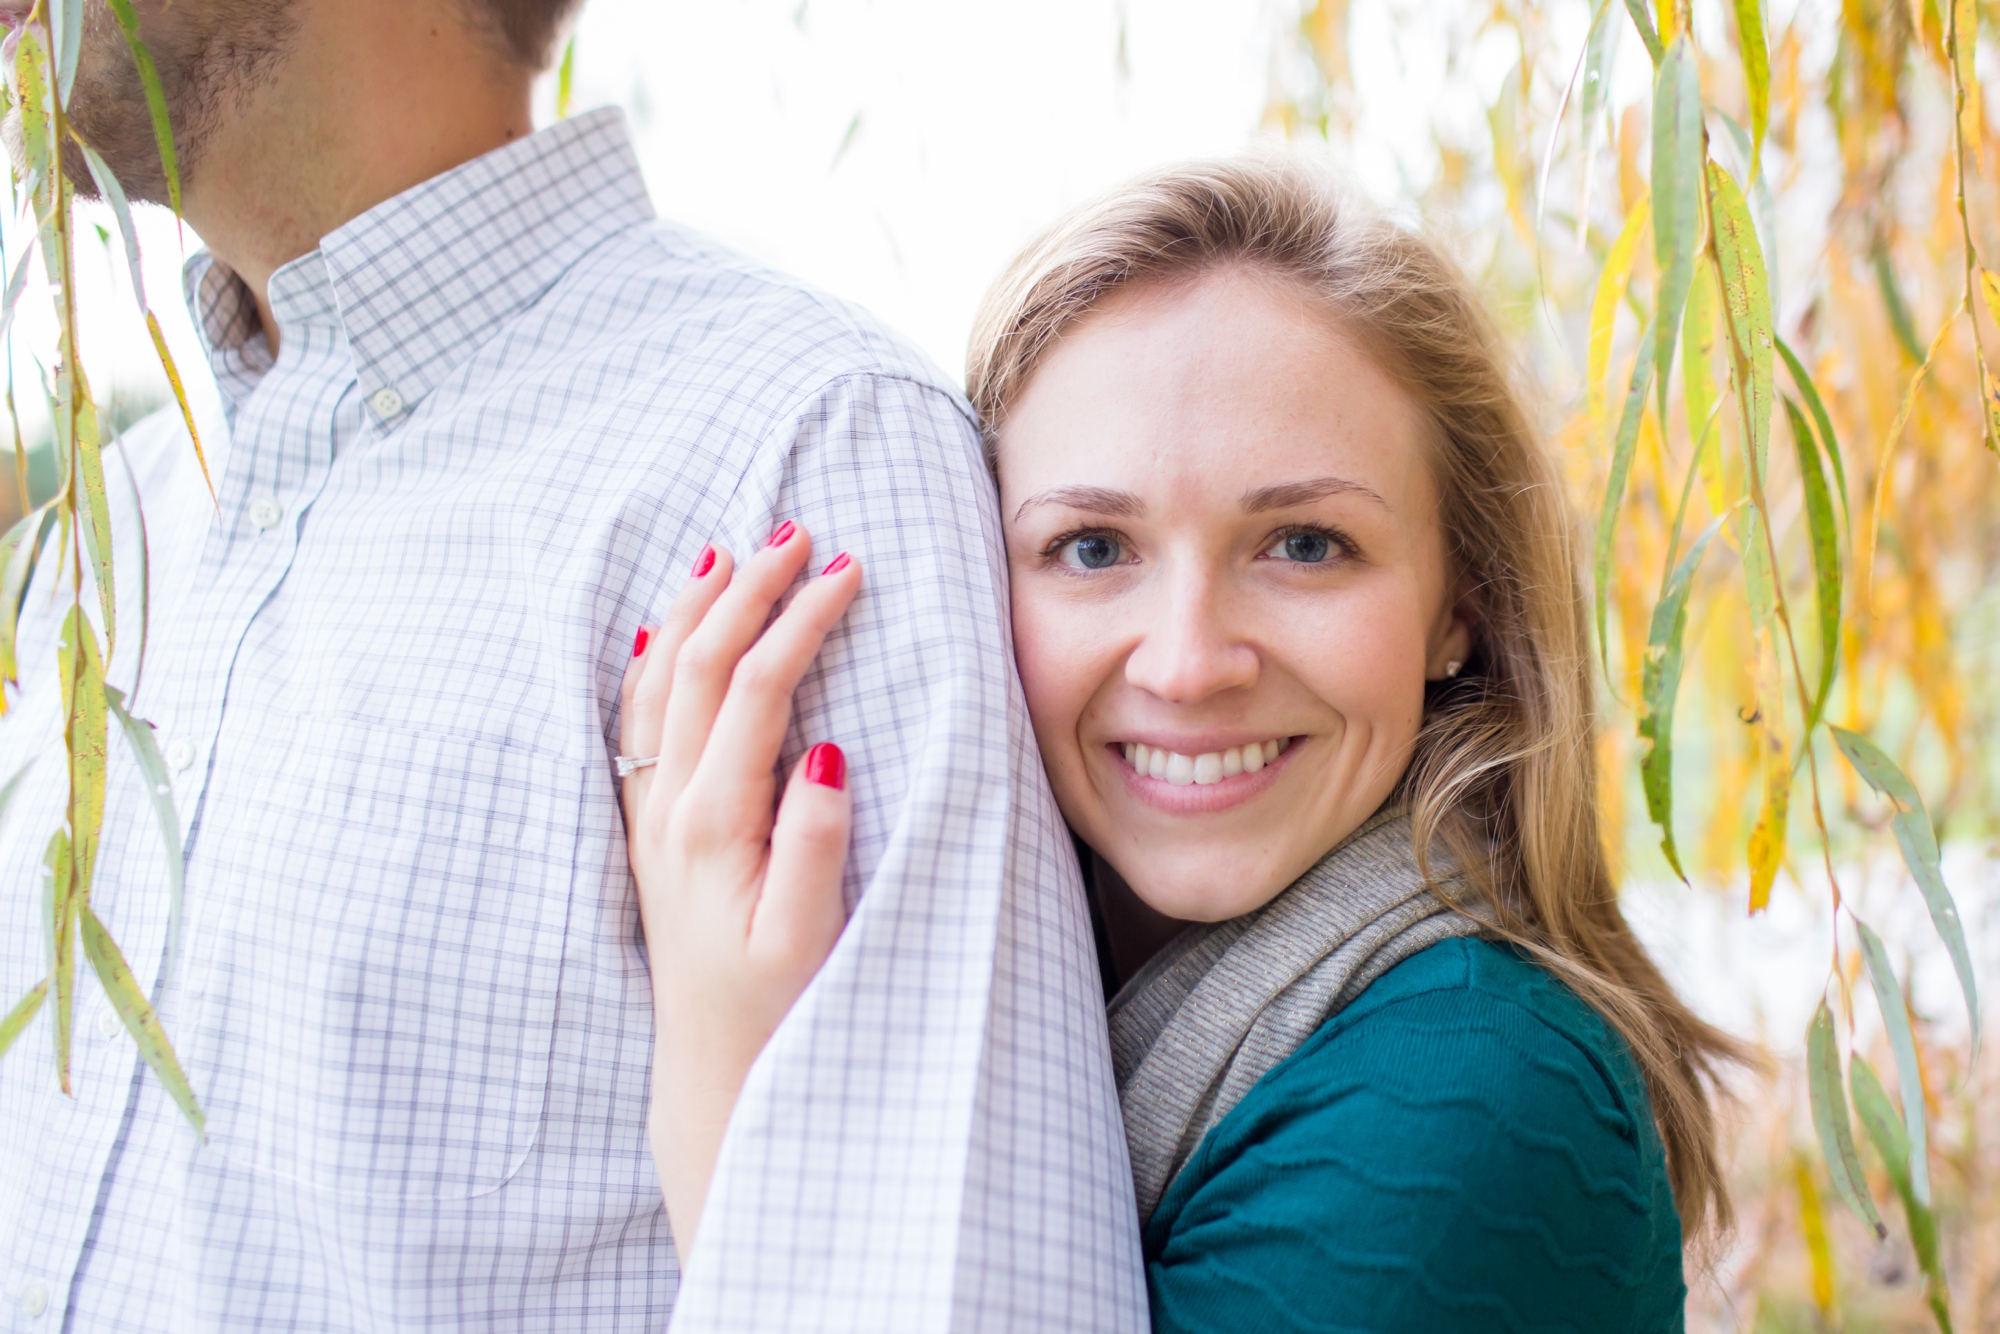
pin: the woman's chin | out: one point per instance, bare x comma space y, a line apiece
1195, 884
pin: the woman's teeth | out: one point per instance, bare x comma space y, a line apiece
1201, 770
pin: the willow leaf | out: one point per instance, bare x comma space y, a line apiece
1885, 1129
66, 18
146, 750
1989, 287
1747, 294
1767, 837
22, 1014
156, 97
1643, 21
566, 79
1599, 50
1918, 841
1677, 157
1896, 1022
31, 97
18, 551
1614, 493
87, 716
1900, 321
121, 210
1611, 285
1825, 556
180, 397
1699, 321
61, 919
115, 975
1756, 72
17, 284
1660, 683
1829, 1114
1817, 406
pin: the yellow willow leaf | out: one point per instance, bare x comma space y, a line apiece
1670, 25
1747, 293
1992, 388
1677, 157
1767, 837
87, 718
122, 989
1611, 284
1756, 73
1885, 466
1964, 43
180, 397
61, 922
1989, 287
1812, 1221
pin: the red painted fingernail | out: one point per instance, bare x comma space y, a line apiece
783, 535
639, 641
837, 564
826, 766
704, 562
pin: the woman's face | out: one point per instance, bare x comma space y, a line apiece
1229, 585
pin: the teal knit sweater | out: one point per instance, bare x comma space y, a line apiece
1465, 1147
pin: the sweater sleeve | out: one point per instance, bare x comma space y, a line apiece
1451, 1162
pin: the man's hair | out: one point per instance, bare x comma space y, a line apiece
523, 31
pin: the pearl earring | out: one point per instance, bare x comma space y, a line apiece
1451, 668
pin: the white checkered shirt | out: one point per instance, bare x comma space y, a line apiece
412, 992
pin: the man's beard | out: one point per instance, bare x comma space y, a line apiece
212, 56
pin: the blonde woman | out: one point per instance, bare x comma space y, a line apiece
1298, 620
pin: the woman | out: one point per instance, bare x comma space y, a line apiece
1300, 631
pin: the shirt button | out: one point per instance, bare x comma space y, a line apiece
34, 1299
386, 402
180, 753
265, 512
107, 1022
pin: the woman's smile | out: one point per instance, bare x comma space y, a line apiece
1186, 780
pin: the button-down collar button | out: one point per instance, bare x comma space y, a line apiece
386, 402
180, 752
107, 1022
265, 512
34, 1299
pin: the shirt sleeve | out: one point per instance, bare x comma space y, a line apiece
1450, 1164
932, 1139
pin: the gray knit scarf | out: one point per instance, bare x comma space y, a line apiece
1222, 1003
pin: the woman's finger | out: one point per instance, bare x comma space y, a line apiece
649, 678
708, 657
800, 914
749, 728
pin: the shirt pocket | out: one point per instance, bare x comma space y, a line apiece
377, 974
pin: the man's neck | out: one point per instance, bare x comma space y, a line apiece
375, 96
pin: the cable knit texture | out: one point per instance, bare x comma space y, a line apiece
1465, 1147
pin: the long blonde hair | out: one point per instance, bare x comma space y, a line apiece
1504, 769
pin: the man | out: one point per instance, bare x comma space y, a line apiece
482, 411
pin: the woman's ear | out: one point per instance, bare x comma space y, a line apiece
1451, 641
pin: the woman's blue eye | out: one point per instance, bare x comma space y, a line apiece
1094, 552
1306, 548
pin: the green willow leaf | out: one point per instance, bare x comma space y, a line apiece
1747, 295
15, 286
1817, 406
96, 498
146, 750
1825, 557
156, 97
22, 1014
1660, 683
121, 209
61, 924
1614, 492
87, 718
1885, 1130
1642, 19
66, 18
1756, 72
1677, 158
1829, 1114
1599, 50
1896, 1022
1917, 839
32, 99
18, 553
115, 975
1900, 321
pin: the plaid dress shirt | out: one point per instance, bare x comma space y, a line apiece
412, 994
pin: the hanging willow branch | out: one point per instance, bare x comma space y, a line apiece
70, 537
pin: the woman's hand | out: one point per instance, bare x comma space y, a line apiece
740, 909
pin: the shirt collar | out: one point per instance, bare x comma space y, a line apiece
421, 280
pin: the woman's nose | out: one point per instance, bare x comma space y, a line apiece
1191, 654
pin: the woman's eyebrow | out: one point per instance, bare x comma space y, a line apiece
1287, 494
1098, 499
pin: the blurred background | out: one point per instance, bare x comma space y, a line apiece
897, 152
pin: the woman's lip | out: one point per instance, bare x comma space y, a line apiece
1197, 798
